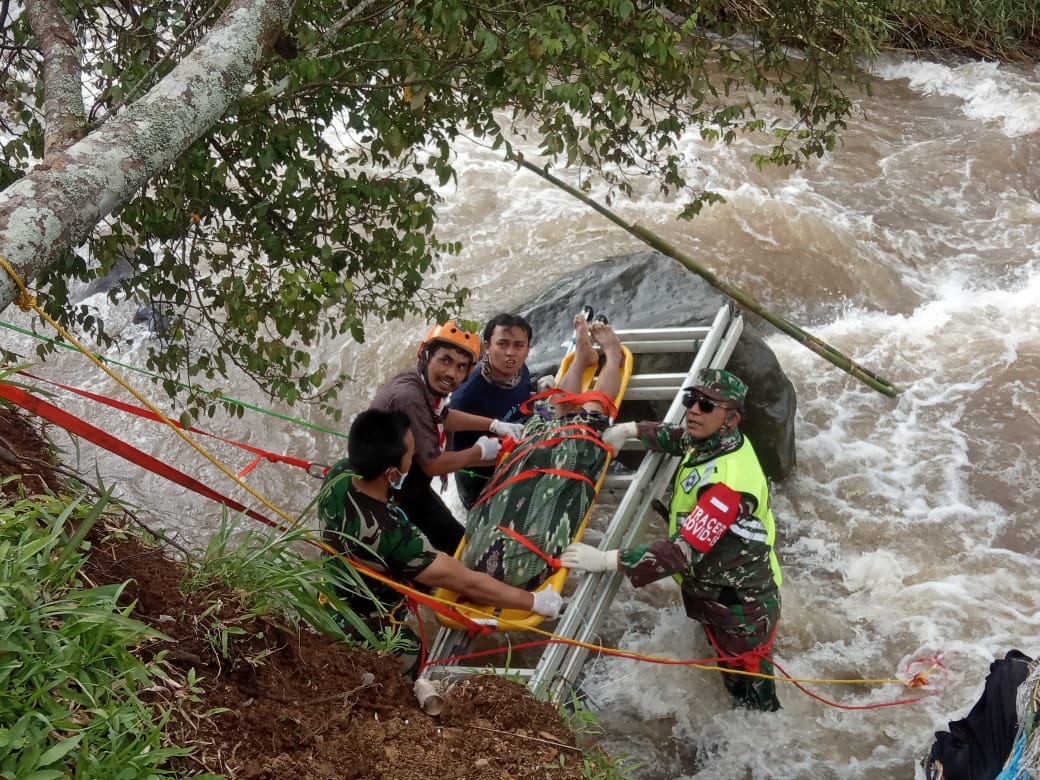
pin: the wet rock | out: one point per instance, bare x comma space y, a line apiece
159, 318
103, 284
651, 290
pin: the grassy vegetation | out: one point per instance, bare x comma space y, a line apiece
992, 29
76, 700
71, 681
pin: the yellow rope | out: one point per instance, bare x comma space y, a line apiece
30, 303
636, 656
27, 302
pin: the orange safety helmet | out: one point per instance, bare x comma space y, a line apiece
452, 334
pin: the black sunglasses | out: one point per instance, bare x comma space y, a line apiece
704, 404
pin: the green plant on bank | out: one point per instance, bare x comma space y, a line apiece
996, 29
271, 574
596, 763
71, 683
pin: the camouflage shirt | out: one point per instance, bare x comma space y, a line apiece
742, 560
372, 532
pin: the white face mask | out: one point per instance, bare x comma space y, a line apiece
396, 485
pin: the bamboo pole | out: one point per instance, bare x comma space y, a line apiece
806, 339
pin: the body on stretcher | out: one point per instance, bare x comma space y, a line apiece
512, 619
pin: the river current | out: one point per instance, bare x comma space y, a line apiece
909, 529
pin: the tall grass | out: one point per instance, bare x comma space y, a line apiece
997, 29
70, 706
270, 571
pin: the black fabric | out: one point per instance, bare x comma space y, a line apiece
426, 511
469, 483
976, 747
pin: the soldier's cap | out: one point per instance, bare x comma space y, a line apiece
719, 385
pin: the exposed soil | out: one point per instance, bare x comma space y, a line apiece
288, 704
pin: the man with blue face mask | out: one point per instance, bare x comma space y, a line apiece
361, 522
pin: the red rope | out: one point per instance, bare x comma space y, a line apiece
101, 438
748, 660
554, 563
498, 481
147, 414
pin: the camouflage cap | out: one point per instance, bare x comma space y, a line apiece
720, 385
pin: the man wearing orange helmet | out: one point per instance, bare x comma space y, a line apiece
446, 356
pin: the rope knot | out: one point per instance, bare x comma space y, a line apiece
25, 300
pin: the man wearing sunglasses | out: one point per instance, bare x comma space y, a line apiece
721, 533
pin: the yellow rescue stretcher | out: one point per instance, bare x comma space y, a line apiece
517, 619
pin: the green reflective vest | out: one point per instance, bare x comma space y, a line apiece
740, 471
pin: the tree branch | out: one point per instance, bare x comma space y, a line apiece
63, 110
55, 207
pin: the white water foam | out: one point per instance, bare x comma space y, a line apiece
989, 91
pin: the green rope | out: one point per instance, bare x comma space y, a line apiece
221, 396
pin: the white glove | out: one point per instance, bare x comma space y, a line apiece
588, 558
503, 428
547, 602
489, 447
616, 435
545, 382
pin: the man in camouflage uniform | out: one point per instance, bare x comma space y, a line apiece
721, 533
361, 523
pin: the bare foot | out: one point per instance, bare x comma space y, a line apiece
608, 341
584, 353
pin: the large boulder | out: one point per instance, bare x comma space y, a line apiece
652, 290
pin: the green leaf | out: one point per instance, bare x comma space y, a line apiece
57, 752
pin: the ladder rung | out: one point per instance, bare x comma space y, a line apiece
638, 335
469, 671
617, 481
650, 380
651, 393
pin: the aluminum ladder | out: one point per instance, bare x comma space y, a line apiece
557, 669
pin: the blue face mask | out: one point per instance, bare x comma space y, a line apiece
399, 483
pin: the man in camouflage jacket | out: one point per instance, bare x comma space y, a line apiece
721, 534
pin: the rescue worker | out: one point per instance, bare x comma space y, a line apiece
445, 358
498, 388
721, 533
359, 520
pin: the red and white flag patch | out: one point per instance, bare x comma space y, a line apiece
714, 513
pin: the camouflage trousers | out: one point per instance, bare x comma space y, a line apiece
736, 626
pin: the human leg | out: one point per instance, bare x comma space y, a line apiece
742, 631
585, 355
609, 381
427, 512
